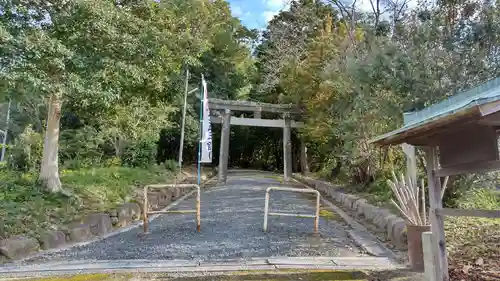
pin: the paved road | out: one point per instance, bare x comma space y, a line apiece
232, 218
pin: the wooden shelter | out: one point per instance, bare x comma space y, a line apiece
223, 111
459, 135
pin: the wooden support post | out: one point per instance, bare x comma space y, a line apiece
224, 145
429, 264
304, 166
411, 162
437, 220
287, 149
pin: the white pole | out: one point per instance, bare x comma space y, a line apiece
5, 133
266, 211
181, 147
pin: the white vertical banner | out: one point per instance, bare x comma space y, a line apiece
206, 138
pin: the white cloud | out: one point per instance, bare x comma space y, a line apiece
269, 15
277, 5
236, 11
364, 6
274, 7
412, 4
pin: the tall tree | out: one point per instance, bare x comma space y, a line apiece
285, 40
93, 54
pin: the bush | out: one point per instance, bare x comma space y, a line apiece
140, 153
80, 148
26, 153
380, 191
171, 165
480, 198
113, 162
25, 208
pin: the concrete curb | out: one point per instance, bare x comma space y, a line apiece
177, 266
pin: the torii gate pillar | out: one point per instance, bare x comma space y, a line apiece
224, 145
287, 149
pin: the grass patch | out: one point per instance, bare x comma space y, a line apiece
470, 239
86, 277
326, 214
27, 209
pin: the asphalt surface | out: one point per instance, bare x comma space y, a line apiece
231, 228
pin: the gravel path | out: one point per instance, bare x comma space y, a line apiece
231, 228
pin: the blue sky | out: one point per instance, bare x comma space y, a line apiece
257, 13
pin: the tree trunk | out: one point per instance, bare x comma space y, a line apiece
49, 172
119, 143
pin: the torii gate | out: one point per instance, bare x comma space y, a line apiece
223, 109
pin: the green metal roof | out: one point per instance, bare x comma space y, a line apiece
456, 104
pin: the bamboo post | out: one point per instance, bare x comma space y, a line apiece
198, 210
316, 218
424, 214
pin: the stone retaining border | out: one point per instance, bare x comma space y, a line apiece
92, 227
393, 225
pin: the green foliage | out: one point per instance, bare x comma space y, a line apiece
80, 148
26, 153
133, 126
113, 69
26, 208
379, 193
354, 78
481, 198
140, 153
171, 165
113, 162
